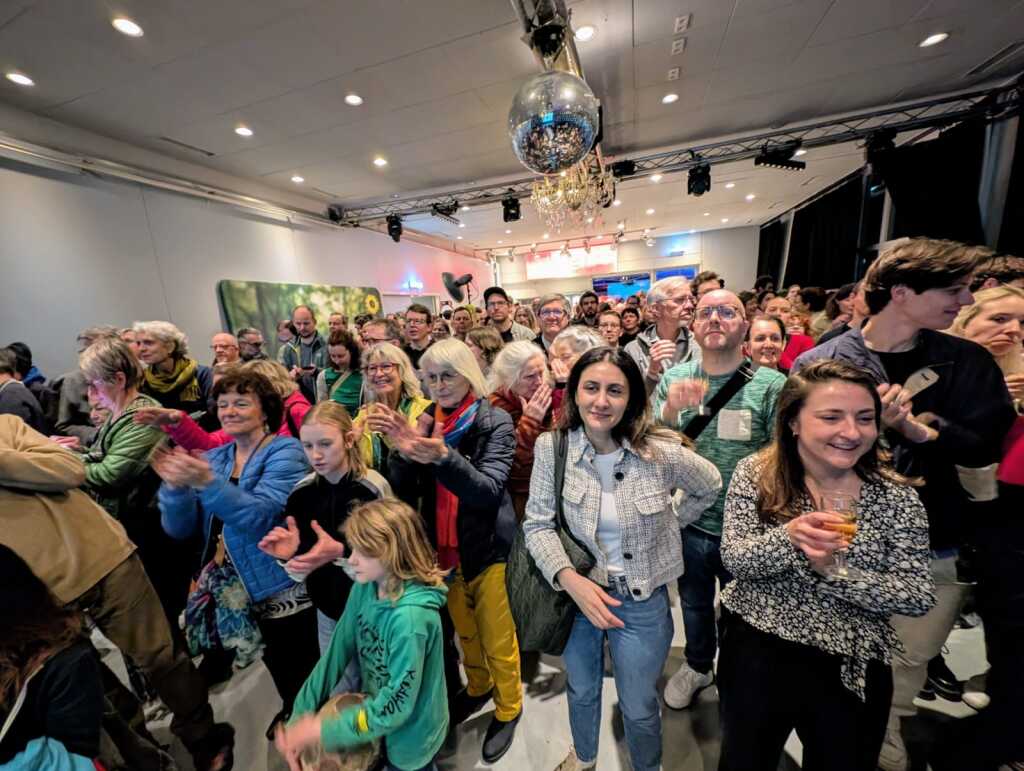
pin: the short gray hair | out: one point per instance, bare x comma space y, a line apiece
555, 297
166, 332
579, 338
509, 363
106, 357
456, 354
248, 331
660, 290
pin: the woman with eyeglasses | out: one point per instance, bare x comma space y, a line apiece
461, 468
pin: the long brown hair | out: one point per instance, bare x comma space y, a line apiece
392, 532
781, 478
34, 627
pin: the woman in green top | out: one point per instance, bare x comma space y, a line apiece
392, 626
342, 381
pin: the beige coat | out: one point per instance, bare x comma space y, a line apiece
67, 539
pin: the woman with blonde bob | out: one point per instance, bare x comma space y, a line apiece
189, 434
389, 381
392, 629
460, 469
309, 545
523, 387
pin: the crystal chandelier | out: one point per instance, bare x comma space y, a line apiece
574, 196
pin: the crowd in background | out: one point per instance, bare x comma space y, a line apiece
827, 475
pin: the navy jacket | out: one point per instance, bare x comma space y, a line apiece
477, 472
974, 410
248, 510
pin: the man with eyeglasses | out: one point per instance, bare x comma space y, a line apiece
667, 341
553, 316
609, 324
380, 331
418, 324
499, 313
250, 344
742, 426
225, 348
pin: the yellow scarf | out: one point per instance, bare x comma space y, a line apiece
182, 378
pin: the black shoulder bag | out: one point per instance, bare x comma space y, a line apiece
739, 378
544, 616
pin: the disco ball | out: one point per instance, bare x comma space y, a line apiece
553, 122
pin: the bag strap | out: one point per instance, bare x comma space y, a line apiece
292, 428
561, 444
739, 378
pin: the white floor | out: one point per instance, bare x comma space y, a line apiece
691, 737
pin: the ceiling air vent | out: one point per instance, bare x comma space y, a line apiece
999, 58
187, 146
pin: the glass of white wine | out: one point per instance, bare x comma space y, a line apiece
845, 505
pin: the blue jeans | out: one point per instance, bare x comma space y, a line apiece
702, 561
638, 651
351, 681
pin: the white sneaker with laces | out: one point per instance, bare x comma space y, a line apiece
684, 685
573, 763
893, 756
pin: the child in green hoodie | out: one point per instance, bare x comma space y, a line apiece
392, 626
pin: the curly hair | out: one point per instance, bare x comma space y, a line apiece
246, 380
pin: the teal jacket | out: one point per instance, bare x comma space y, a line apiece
398, 646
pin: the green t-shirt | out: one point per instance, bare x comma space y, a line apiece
742, 427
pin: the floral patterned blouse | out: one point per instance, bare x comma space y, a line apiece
777, 591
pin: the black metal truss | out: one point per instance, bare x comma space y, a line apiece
989, 104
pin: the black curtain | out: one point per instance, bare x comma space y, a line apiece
823, 243
1011, 234
934, 185
770, 248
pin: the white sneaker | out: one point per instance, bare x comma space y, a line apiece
893, 756
976, 700
684, 685
573, 763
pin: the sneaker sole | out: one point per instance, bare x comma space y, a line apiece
692, 698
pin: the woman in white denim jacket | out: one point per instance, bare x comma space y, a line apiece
621, 474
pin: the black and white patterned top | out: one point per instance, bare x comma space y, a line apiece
777, 591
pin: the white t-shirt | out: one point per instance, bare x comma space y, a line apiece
609, 534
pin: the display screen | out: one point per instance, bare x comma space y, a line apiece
686, 271
622, 286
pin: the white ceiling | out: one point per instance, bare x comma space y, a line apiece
438, 76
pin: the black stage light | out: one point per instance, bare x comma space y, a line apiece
622, 169
699, 180
510, 207
780, 157
335, 212
395, 227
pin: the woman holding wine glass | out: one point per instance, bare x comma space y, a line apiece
793, 626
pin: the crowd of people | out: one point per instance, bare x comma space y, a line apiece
827, 476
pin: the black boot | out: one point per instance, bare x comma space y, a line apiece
463, 706
942, 681
498, 738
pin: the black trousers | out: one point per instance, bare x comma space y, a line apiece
769, 686
291, 651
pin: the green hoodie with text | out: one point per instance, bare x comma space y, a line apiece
398, 647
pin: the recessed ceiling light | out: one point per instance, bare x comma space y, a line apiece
243, 131
669, 98
394, 195
655, 177
724, 220
750, 196
932, 40
508, 231
692, 230
730, 185
127, 27
462, 224
586, 32
298, 180
650, 211
20, 79
460, 238
353, 99
379, 161
590, 220
707, 214
465, 207
546, 235
616, 202
800, 152
500, 241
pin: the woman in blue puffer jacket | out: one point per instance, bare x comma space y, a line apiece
235, 494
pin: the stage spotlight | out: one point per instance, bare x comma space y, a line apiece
699, 180
394, 227
780, 157
510, 207
622, 169
335, 212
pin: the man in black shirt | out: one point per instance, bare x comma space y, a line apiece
949, 430
588, 308
499, 313
630, 325
418, 323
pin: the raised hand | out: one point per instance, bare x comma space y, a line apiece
180, 469
281, 542
662, 352
157, 416
808, 533
683, 394
424, 450
325, 550
538, 405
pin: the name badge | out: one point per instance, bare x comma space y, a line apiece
734, 425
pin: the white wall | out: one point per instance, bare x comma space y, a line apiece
78, 251
732, 253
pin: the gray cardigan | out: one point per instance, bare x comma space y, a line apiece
648, 518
